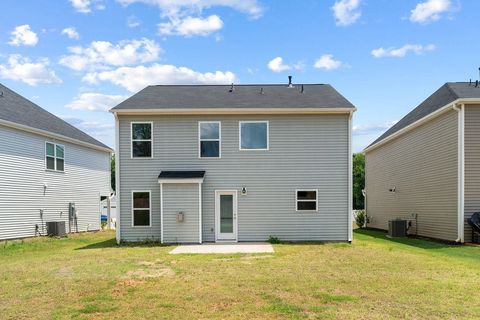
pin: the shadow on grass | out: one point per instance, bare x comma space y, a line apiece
112, 243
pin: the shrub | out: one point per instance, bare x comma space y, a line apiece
360, 218
273, 240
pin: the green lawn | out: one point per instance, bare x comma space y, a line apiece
88, 277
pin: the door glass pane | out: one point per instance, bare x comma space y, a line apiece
226, 213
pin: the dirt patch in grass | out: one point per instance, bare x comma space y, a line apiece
150, 269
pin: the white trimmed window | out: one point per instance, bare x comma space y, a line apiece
209, 139
253, 135
306, 200
54, 156
141, 139
141, 208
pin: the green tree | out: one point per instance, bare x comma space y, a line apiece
112, 170
358, 180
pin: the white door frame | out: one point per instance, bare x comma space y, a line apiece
234, 193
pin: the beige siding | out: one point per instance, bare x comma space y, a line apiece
422, 165
305, 152
472, 164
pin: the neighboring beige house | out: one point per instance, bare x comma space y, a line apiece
426, 168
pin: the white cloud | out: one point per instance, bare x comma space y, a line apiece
91, 101
19, 68
101, 54
85, 6
327, 62
430, 10
402, 51
136, 78
103, 130
359, 130
23, 35
133, 22
346, 12
71, 33
277, 65
190, 26
184, 17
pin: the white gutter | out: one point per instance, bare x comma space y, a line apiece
461, 173
350, 180
206, 111
117, 179
52, 135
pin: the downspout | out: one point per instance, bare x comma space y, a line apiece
117, 179
461, 173
350, 179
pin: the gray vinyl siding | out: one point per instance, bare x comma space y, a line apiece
184, 198
22, 179
472, 164
422, 164
306, 151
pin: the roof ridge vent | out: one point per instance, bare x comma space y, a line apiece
261, 91
232, 88
302, 91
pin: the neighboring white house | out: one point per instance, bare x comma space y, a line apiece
49, 171
234, 163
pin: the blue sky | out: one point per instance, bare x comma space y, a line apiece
78, 58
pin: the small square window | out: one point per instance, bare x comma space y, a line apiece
254, 135
306, 200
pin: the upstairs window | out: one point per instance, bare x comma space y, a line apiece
141, 139
306, 200
254, 135
141, 208
209, 139
54, 156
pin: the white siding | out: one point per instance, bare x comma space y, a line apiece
184, 198
422, 165
307, 151
23, 176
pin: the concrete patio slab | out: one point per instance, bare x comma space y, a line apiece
208, 248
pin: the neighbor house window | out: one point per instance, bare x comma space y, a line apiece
55, 156
141, 208
254, 135
141, 139
209, 134
306, 200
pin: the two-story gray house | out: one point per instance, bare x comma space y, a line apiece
50, 171
205, 163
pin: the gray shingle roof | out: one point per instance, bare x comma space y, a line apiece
17, 109
447, 93
243, 96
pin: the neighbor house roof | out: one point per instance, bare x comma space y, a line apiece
17, 110
448, 93
318, 96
